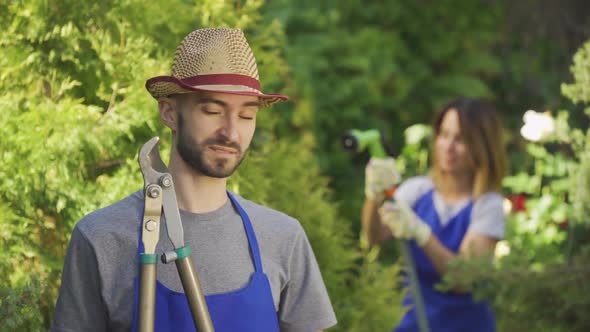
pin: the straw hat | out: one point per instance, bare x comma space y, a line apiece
213, 60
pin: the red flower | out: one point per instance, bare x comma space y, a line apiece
518, 201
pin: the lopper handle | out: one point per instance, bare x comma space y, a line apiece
194, 293
147, 293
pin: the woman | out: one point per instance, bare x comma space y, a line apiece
455, 211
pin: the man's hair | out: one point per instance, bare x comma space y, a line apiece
482, 133
181, 98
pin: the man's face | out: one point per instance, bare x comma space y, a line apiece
215, 131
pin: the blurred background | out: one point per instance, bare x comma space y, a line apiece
74, 113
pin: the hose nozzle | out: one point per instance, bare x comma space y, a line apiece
355, 140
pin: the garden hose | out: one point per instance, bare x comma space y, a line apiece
356, 141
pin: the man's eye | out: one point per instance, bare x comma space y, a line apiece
211, 111
248, 115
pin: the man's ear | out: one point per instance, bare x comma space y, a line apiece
168, 107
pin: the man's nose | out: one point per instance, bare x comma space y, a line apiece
229, 128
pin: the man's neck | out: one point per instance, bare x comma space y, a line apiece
195, 192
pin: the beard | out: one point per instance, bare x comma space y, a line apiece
193, 153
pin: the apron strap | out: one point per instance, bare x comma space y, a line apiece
254, 250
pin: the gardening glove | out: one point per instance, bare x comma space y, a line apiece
403, 222
380, 175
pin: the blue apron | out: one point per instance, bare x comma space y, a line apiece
247, 309
446, 312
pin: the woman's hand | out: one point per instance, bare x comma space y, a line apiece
403, 222
380, 175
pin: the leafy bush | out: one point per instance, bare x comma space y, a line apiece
22, 307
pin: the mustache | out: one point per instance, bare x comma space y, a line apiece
224, 143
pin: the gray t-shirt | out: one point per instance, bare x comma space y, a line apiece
101, 264
487, 215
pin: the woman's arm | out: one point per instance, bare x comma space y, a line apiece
487, 225
473, 245
373, 230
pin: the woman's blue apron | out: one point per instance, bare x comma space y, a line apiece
446, 312
248, 309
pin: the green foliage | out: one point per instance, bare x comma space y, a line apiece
558, 179
414, 157
536, 232
551, 298
579, 92
365, 307
21, 307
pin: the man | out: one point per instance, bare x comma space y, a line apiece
210, 104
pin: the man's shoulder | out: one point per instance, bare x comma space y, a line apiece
120, 216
